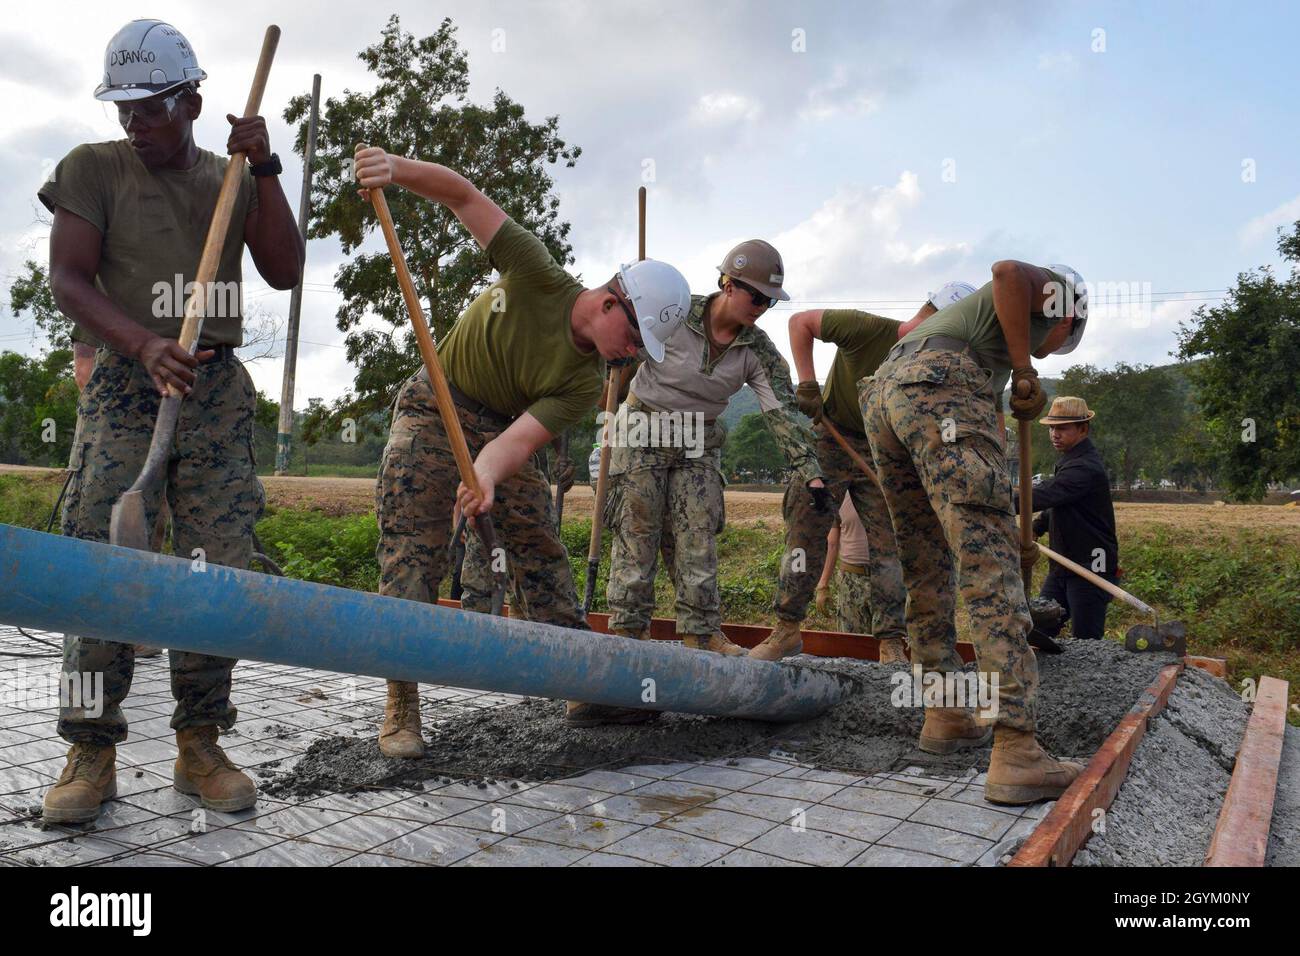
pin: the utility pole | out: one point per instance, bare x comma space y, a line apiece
285, 430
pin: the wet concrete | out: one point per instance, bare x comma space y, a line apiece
1083, 693
1284, 834
1166, 811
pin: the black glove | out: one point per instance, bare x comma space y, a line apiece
821, 498
1026, 406
808, 396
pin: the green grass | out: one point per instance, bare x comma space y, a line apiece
328, 471
26, 500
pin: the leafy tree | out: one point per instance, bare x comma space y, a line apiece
30, 293
751, 453
419, 108
1140, 411
1248, 384
38, 408
38, 397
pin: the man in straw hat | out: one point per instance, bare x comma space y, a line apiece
1075, 509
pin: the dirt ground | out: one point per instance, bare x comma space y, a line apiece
355, 495
340, 496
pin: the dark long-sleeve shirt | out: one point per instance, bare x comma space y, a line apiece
1076, 509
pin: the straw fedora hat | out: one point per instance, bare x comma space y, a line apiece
1066, 409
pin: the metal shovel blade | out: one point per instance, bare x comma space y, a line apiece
127, 526
1170, 637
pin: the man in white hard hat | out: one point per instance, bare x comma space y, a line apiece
524, 363
930, 413
863, 340
129, 216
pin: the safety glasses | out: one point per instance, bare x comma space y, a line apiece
151, 113
758, 298
631, 319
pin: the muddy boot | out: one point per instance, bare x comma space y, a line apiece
716, 642
577, 714
784, 641
400, 735
1021, 771
892, 651
204, 770
88, 779
949, 729
641, 635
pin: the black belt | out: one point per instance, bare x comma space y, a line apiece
473, 406
944, 342
223, 353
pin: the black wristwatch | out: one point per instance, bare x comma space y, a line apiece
271, 167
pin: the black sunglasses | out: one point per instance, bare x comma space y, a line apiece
758, 298
631, 319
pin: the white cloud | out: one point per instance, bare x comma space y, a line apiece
1264, 227
1060, 61
843, 94
724, 107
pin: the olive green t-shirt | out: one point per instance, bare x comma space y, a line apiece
154, 223
864, 340
513, 348
974, 320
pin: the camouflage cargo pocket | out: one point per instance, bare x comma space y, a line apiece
979, 476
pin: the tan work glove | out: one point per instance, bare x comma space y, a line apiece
1027, 395
823, 597
808, 396
1029, 555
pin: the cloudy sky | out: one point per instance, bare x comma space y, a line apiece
882, 147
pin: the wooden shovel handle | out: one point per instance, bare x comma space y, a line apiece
1097, 579
215, 242
1024, 440
441, 391
850, 450
613, 386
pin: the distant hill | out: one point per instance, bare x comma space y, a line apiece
743, 403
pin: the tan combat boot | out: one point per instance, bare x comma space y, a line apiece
717, 642
892, 651
204, 770
88, 779
641, 635
949, 729
400, 735
578, 714
784, 641
1021, 771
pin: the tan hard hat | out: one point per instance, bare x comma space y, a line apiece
757, 263
1066, 409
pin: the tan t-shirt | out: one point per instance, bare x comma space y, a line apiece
513, 348
864, 340
154, 223
853, 537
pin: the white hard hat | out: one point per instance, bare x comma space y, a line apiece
949, 293
145, 58
1079, 290
660, 298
